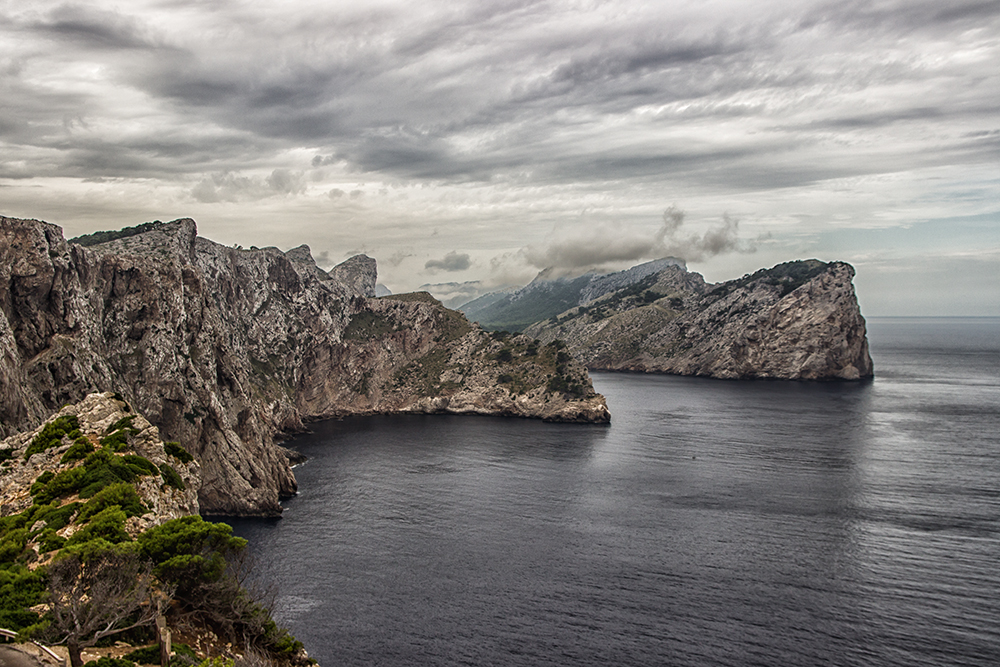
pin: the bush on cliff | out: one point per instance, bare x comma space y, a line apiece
52, 434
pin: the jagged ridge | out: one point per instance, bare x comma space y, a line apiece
798, 320
225, 349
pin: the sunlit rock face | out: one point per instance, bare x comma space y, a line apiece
796, 321
227, 349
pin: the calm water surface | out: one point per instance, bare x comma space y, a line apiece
713, 523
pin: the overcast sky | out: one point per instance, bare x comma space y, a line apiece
460, 141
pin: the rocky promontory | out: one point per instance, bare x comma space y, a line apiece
227, 349
796, 321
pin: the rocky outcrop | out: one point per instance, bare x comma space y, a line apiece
614, 282
798, 321
358, 274
97, 417
226, 349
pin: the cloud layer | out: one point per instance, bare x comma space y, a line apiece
551, 127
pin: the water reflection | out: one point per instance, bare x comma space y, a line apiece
721, 523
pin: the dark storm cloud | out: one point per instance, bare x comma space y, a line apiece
734, 96
91, 27
900, 17
453, 261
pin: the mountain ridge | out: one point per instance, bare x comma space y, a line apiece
228, 349
545, 295
798, 320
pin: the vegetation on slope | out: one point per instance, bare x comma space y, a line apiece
72, 573
104, 237
788, 276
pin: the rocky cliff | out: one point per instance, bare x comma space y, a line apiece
798, 320
226, 349
37, 465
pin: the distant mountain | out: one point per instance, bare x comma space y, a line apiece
546, 297
454, 295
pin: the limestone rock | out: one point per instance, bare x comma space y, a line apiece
358, 273
95, 414
798, 321
227, 349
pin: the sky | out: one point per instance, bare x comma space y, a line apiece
482, 142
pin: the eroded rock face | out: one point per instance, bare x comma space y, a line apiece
797, 321
225, 349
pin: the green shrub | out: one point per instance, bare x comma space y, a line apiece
559, 383
41, 481
171, 478
52, 434
60, 485
108, 524
20, 588
174, 449
217, 661
140, 465
50, 541
12, 545
150, 655
107, 661
184, 652
103, 468
125, 423
104, 237
116, 442
54, 516
121, 495
80, 448
189, 550
118, 434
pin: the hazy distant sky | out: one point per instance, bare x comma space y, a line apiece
484, 140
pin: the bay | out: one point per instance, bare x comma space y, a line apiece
712, 523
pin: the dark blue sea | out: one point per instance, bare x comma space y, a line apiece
712, 523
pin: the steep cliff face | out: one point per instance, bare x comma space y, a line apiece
798, 320
225, 348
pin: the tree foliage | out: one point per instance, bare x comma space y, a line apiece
94, 596
189, 551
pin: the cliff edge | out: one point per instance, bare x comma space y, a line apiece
795, 321
226, 349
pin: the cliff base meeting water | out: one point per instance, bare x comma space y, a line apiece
712, 523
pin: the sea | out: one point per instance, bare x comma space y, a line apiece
712, 522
